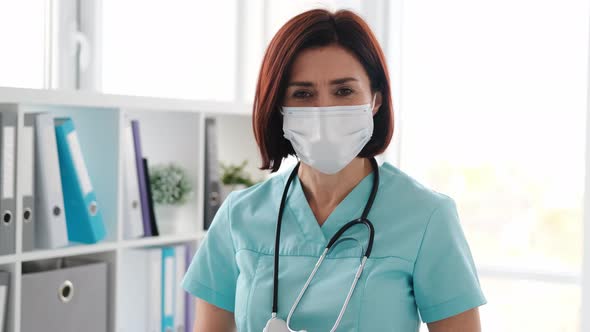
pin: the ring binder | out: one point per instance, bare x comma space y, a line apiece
27, 146
83, 216
51, 230
8, 147
212, 180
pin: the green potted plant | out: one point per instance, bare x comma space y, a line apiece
171, 188
234, 177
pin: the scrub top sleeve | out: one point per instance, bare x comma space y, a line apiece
445, 278
213, 272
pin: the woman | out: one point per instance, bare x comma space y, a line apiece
323, 95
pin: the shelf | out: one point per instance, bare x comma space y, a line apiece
71, 250
171, 131
84, 249
160, 240
94, 99
7, 259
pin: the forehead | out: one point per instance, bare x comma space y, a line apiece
326, 63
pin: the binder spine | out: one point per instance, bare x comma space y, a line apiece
28, 213
8, 145
51, 229
83, 215
134, 223
143, 195
212, 180
168, 289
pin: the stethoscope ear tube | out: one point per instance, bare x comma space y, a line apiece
278, 241
344, 228
362, 220
373, 190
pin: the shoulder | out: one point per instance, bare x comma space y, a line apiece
408, 191
252, 212
406, 206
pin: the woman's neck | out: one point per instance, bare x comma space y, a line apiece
325, 191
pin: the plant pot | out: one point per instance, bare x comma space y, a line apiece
228, 188
167, 218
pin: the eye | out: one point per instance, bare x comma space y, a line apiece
344, 92
300, 94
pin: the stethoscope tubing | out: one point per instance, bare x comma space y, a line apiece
362, 220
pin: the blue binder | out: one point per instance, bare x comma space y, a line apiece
83, 214
168, 288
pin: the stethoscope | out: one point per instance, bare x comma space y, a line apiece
276, 324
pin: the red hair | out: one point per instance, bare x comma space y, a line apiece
316, 28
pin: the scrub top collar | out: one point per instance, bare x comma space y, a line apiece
351, 207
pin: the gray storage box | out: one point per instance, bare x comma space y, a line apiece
66, 295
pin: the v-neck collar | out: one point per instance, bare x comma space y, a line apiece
348, 209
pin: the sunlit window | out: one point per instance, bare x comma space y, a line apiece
22, 36
178, 49
493, 111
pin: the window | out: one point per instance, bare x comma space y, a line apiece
179, 49
493, 114
489, 99
283, 10
22, 36
524, 305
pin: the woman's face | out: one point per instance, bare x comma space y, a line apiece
328, 76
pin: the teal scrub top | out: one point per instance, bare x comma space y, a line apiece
421, 267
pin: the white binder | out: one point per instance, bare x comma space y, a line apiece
27, 146
133, 225
51, 231
179, 313
154, 317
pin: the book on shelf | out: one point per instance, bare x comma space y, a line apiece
141, 178
151, 207
8, 169
133, 224
51, 230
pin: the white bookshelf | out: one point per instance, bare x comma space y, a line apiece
171, 130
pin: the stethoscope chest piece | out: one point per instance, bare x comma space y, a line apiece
277, 325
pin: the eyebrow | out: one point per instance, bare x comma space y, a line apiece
332, 82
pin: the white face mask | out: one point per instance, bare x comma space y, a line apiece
328, 138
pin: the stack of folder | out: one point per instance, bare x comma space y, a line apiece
166, 305
59, 202
139, 207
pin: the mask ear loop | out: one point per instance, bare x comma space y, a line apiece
373, 103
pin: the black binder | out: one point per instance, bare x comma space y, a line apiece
153, 223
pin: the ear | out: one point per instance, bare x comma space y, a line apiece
378, 102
